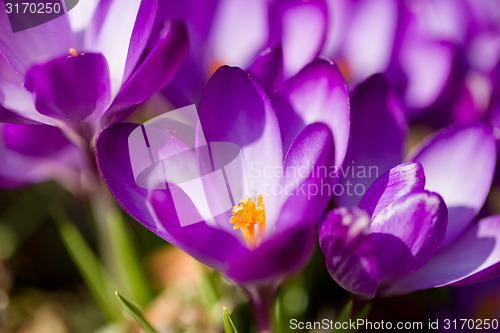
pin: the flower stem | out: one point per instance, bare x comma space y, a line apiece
261, 299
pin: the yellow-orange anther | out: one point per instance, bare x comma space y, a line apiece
246, 216
73, 52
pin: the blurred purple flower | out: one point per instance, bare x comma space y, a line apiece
430, 50
272, 40
378, 132
80, 70
235, 109
398, 240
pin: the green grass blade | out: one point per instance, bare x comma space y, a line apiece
228, 322
125, 257
364, 312
208, 293
346, 312
136, 313
87, 264
344, 316
277, 314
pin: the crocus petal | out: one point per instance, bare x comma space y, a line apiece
39, 44
276, 258
369, 38
70, 89
113, 160
474, 256
267, 69
197, 15
428, 66
18, 104
348, 251
234, 109
318, 93
339, 15
143, 26
209, 245
33, 140
308, 178
429, 32
80, 17
17, 170
397, 182
300, 26
469, 106
483, 51
122, 47
459, 163
408, 233
377, 136
239, 32
187, 85
35, 153
7, 116
157, 68
212, 246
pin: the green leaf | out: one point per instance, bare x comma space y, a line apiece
136, 313
87, 264
364, 312
277, 313
8, 241
208, 293
125, 258
346, 312
228, 322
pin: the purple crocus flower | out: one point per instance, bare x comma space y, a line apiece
235, 109
395, 229
80, 70
398, 240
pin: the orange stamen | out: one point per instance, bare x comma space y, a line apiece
73, 53
246, 216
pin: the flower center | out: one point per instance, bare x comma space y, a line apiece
246, 216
